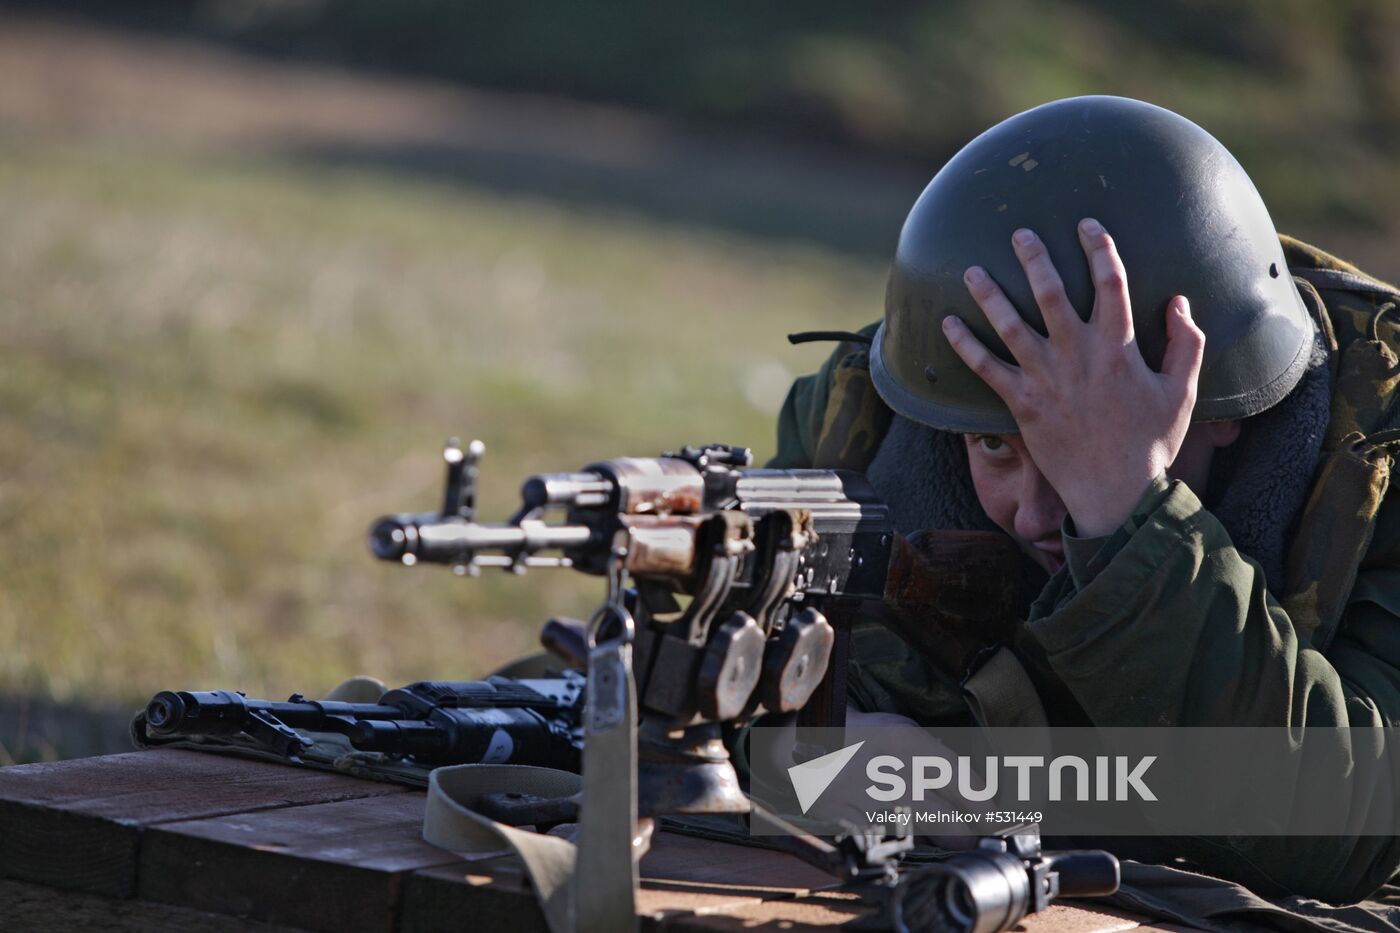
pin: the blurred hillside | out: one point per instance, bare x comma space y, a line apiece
225, 348
259, 258
1307, 95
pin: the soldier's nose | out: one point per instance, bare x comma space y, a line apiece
1040, 511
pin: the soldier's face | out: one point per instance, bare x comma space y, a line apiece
1022, 503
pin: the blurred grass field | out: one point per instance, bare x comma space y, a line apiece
255, 268
215, 372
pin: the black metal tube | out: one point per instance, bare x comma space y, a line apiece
426, 537
223, 712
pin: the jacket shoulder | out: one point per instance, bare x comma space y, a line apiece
1355, 301
1350, 523
826, 410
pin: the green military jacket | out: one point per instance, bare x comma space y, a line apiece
1169, 624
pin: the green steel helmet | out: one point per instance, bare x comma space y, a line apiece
1186, 220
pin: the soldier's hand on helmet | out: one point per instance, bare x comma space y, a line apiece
1098, 421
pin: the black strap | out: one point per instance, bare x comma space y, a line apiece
812, 336
1389, 439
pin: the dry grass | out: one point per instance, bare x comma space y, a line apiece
219, 363
214, 374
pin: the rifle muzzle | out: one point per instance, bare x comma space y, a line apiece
430, 538
214, 712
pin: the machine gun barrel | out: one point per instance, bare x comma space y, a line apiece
223, 712
430, 538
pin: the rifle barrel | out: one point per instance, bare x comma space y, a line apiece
428, 537
224, 712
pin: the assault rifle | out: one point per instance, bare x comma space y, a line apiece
493, 721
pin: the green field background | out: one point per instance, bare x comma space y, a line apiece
215, 376
218, 364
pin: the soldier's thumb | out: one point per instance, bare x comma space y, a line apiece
1186, 343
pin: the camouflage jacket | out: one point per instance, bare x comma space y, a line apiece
1175, 626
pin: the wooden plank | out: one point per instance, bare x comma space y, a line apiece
496, 896
729, 869
75, 824
487, 893
682, 877
815, 914
335, 867
738, 887
38, 908
164, 785
484, 895
836, 909
224, 845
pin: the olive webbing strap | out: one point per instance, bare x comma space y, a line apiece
592, 894
1001, 694
448, 822
605, 880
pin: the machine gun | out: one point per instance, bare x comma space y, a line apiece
776, 565
493, 721
772, 563
732, 587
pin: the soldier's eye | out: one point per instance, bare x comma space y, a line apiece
990, 442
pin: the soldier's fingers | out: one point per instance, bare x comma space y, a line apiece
1045, 282
1000, 376
1186, 344
1112, 309
1025, 344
